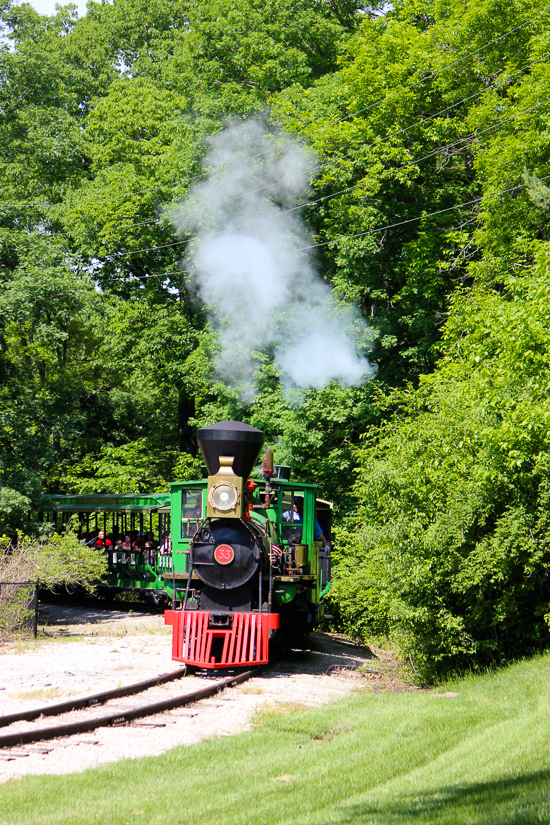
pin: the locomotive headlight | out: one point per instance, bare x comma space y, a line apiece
225, 491
224, 496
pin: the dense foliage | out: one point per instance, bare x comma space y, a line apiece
54, 559
452, 544
104, 355
430, 122
449, 550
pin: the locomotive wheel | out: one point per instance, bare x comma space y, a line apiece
157, 598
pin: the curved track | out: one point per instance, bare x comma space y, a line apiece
117, 718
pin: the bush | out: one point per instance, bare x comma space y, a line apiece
16, 606
58, 559
14, 509
450, 553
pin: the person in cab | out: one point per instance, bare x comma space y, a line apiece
298, 519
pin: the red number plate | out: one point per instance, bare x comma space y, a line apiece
224, 554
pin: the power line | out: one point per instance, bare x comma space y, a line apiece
333, 160
434, 152
377, 229
413, 220
423, 121
390, 96
417, 82
405, 129
324, 198
444, 69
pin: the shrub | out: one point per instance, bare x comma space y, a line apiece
57, 559
450, 552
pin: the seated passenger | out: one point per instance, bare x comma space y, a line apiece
166, 544
150, 537
149, 553
101, 541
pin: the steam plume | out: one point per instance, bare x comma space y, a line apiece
260, 291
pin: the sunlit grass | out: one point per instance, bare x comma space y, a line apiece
44, 694
251, 689
263, 714
482, 756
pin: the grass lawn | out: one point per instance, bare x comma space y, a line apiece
480, 757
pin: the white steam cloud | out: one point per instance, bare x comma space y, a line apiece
259, 287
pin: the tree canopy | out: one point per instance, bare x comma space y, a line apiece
427, 210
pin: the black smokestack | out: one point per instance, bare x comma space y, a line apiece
230, 438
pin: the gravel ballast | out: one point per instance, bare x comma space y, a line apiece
82, 651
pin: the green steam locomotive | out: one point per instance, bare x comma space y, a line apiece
239, 557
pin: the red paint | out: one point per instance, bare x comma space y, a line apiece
249, 488
224, 554
245, 643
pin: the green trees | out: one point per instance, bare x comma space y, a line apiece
48, 363
451, 547
449, 550
428, 121
423, 96
103, 120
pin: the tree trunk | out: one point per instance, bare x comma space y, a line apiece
186, 434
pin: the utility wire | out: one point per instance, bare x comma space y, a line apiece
377, 229
444, 69
317, 201
391, 96
412, 220
405, 129
348, 189
338, 158
496, 85
433, 153
334, 160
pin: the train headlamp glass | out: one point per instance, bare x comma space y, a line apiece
224, 496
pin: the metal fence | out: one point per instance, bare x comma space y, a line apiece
18, 607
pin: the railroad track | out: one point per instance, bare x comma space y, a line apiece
115, 718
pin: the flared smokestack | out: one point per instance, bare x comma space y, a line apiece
230, 438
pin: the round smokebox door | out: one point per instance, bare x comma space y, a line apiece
228, 559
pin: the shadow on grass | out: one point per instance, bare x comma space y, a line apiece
520, 800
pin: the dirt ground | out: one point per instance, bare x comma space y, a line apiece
85, 650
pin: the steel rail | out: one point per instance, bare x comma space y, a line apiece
121, 718
89, 701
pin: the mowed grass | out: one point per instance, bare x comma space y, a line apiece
480, 757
